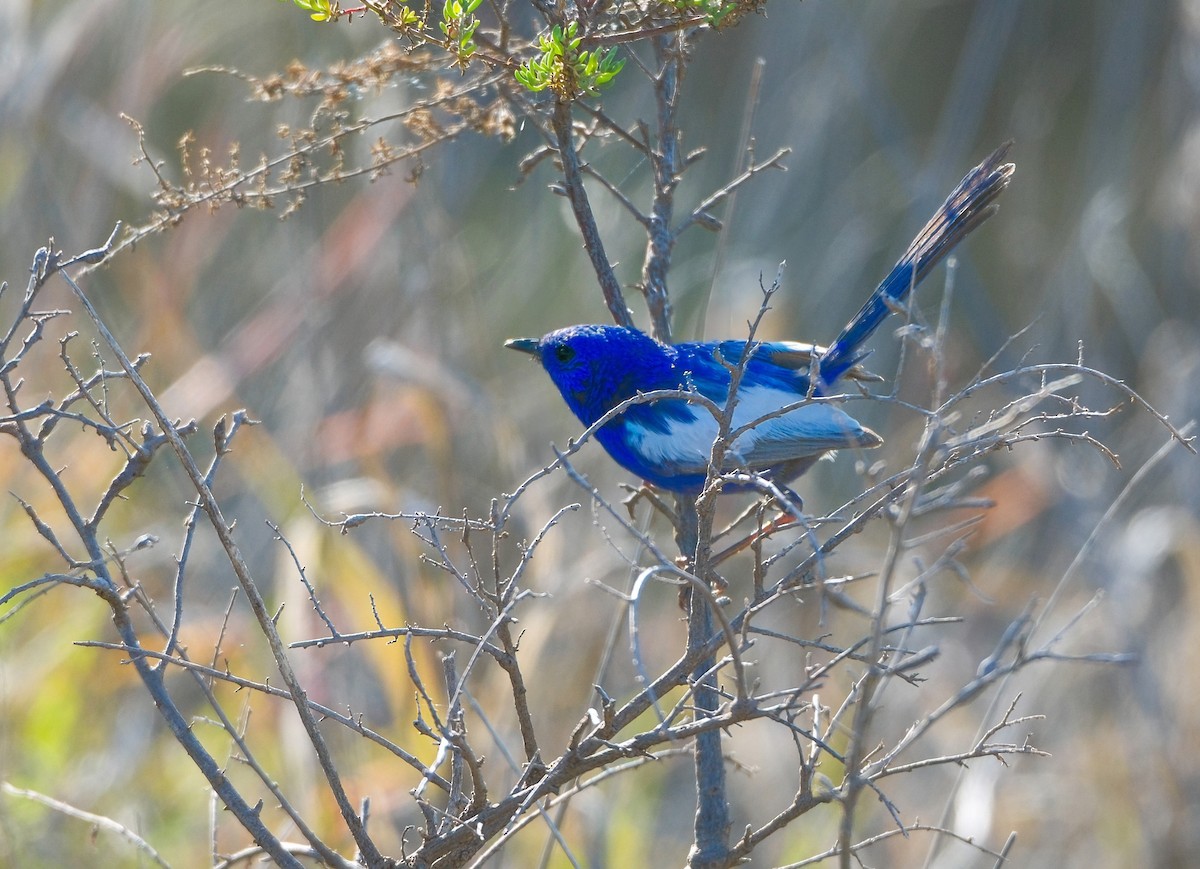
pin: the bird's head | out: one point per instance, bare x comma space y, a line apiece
597, 367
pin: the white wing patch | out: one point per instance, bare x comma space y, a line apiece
806, 431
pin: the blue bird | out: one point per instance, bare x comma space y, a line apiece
668, 443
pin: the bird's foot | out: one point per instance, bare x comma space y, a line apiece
648, 493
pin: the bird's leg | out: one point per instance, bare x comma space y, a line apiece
783, 498
780, 522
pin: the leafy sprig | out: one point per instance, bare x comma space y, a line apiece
565, 68
459, 23
320, 10
715, 12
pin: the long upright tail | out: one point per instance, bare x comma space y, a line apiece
971, 203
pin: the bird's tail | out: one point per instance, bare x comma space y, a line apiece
971, 203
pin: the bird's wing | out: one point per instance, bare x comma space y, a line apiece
797, 356
682, 444
784, 362
809, 430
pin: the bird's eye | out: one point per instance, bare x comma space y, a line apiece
564, 352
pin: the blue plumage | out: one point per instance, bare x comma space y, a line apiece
668, 443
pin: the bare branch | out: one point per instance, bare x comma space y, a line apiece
97, 821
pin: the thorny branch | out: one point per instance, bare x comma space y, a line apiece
473, 814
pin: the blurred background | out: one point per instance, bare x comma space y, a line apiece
366, 333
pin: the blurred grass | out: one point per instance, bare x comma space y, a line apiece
884, 108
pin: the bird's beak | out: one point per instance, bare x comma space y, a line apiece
525, 345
